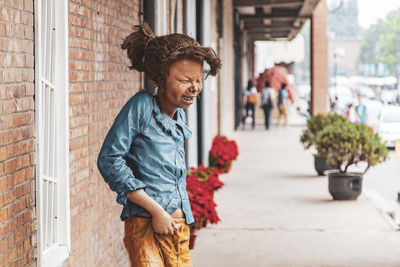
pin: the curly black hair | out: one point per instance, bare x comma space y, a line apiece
154, 54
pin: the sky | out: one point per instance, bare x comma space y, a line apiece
372, 10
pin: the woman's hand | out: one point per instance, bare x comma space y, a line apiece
163, 223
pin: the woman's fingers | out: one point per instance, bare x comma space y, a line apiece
175, 225
171, 230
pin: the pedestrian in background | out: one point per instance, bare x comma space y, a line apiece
334, 105
143, 155
250, 100
361, 111
282, 104
267, 103
351, 114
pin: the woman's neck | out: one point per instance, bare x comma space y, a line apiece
170, 111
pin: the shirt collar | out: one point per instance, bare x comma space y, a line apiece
168, 124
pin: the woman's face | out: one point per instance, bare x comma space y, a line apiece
183, 85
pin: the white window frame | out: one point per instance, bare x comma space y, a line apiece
53, 153
161, 17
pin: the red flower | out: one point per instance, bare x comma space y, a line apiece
222, 152
201, 184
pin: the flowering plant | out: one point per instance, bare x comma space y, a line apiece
201, 184
222, 153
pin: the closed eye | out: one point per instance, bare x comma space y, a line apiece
184, 81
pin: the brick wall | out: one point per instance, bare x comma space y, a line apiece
319, 58
17, 184
100, 84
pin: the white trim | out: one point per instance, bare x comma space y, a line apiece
57, 79
55, 257
206, 103
192, 155
161, 17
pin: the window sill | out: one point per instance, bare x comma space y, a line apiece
55, 257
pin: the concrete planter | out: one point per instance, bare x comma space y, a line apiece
345, 186
321, 165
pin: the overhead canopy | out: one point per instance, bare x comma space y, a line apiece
266, 20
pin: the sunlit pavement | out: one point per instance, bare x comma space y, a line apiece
275, 211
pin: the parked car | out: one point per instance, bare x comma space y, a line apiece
388, 96
389, 125
366, 92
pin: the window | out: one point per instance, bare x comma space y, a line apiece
51, 131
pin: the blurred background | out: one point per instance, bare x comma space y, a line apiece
363, 62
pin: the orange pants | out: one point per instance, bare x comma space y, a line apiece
148, 249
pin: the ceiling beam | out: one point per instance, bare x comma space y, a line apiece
269, 29
259, 25
276, 13
276, 18
268, 3
305, 11
308, 8
266, 36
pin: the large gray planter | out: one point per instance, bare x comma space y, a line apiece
321, 165
345, 186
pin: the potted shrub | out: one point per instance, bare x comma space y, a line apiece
343, 145
309, 136
222, 153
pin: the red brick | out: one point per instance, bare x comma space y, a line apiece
18, 120
28, 5
3, 214
19, 235
5, 244
3, 153
2, 29
9, 197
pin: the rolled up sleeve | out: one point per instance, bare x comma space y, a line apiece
111, 161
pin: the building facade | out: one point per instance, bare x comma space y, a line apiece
63, 80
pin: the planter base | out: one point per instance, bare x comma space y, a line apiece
321, 165
192, 239
345, 186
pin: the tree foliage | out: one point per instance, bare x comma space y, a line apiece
343, 22
380, 43
315, 125
344, 144
369, 50
390, 41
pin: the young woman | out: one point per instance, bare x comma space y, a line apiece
267, 103
250, 100
143, 157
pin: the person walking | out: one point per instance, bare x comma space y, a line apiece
361, 111
143, 155
334, 105
282, 104
250, 100
267, 103
351, 114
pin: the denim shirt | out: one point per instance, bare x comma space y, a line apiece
145, 149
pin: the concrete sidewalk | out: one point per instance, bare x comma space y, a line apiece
275, 211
